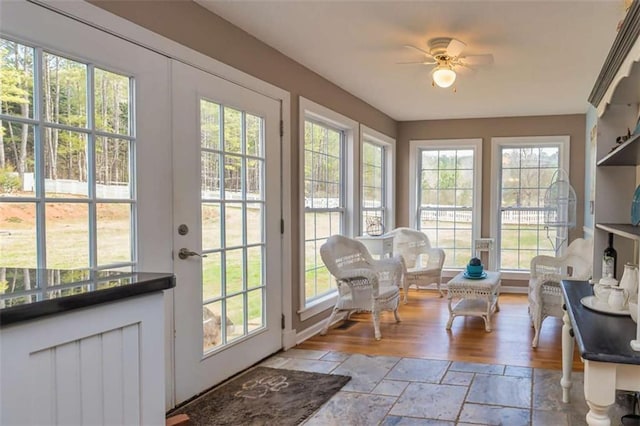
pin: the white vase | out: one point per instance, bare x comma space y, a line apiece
629, 281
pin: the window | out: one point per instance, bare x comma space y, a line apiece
525, 169
66, 162
328, 149
446, 175
377, 178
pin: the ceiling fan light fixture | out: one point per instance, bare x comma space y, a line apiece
444, 76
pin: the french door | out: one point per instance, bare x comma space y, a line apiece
227, 245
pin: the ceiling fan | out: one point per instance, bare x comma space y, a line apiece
446, 54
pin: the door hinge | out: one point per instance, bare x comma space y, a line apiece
282, 226
282, 321
281, 128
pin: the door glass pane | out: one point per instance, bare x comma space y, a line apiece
112, 102
65, 91
255, 305
232, 130
212, 327
211, 226
65, 162
235, 316
113, 223
210, 125
254, 223
211, 276
236, 225
210, 170
233, 213
67, 226
17, 178
18, 234
16, 69
113, 168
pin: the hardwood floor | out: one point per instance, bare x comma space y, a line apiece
422, 334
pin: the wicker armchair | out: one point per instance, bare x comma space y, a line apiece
364, 284
423, 262
545, 295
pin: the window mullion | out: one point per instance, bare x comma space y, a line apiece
91, 169
38, 136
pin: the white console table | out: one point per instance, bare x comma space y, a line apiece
603, 341
381, 245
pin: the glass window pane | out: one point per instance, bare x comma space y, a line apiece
232, 177
235, 317
66, 164
233, 214
254, 179
255, 141
17, 178
232, 130
210, 172
255, 223
65, 91
255, 262
255, 313
113, 168
211, 226
16, 79
18, 235
210, 125
234, 277
212, 327
114, 233
211, 276
112, 102
67, 226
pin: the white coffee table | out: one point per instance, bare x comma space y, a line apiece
476, 297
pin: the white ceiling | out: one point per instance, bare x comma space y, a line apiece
547, 53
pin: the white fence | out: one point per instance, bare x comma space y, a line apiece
526, 217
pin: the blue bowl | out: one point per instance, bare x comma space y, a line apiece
474, 270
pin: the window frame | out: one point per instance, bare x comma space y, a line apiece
416, 146
499, 143
323, 115
388, 144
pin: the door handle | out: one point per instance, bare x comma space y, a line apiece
184, 253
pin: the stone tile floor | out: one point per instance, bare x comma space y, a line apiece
387, 391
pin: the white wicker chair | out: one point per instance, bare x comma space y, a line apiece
364, 284
423, 263
545, 295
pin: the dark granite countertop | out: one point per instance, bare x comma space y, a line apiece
26, 294
600, 337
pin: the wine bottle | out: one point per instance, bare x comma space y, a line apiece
609, 260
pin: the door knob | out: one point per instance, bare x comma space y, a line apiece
185, 253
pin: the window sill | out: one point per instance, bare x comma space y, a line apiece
318, 306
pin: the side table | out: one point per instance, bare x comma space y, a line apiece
379, 245
477, 297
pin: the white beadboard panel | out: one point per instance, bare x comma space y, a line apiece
131, 374
102, 365
41, 385
112, 370
67, 383
91, 380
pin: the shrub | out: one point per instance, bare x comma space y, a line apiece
9, 181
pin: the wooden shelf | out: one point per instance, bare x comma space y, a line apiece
621, 229
627, 154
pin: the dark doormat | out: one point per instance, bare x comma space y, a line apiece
264, 396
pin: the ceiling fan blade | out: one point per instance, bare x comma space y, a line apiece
486, 59
424, 52
416, 63
455, 48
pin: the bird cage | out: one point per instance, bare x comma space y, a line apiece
560, 207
